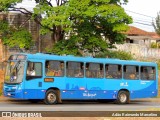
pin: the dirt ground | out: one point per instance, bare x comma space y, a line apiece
1, 76
1, 80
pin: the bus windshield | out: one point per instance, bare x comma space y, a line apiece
14, 72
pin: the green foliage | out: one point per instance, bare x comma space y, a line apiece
5, 4
4, 27
66, 47
95, 24
20, 37
86, 25
116, 54
155, 45
12, 36
156, 25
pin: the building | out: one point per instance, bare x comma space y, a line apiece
138, 36
138, 43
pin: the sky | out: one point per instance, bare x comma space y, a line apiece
143, 12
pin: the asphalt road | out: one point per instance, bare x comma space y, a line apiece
18, 105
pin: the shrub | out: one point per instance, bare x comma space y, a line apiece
116, 54
155, 45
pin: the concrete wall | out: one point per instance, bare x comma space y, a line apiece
140, 51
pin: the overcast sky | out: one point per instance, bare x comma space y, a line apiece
142, 11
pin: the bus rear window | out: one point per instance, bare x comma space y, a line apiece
148, 73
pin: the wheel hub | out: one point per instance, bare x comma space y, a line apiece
123, 97
51, 97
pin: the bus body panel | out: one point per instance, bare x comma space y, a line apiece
83, 90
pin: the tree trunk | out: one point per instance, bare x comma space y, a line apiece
57, 34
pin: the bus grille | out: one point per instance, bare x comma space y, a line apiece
9, 90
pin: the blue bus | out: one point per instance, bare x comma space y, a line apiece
54, 78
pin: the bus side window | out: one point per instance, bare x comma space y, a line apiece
34, 70
94, 70
38, 69
31, 69
75, 69
113, 71
54, 68
148, 73
131, 72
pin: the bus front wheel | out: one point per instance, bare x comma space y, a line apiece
51, 97
123, 97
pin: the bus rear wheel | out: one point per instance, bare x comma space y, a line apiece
51, 97
123, 97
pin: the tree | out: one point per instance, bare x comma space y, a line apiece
89, 25
13, 36
156, 25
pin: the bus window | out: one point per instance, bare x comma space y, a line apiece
148, 73
34, 70
54, 68
94, 70
75, 69
113, 71
131, 72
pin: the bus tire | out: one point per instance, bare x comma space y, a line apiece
123, 97
51, 97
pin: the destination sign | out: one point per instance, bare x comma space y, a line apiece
17, 57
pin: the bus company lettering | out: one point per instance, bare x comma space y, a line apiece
144, 82
124, 84
89, 95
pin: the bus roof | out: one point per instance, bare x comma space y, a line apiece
42, 56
